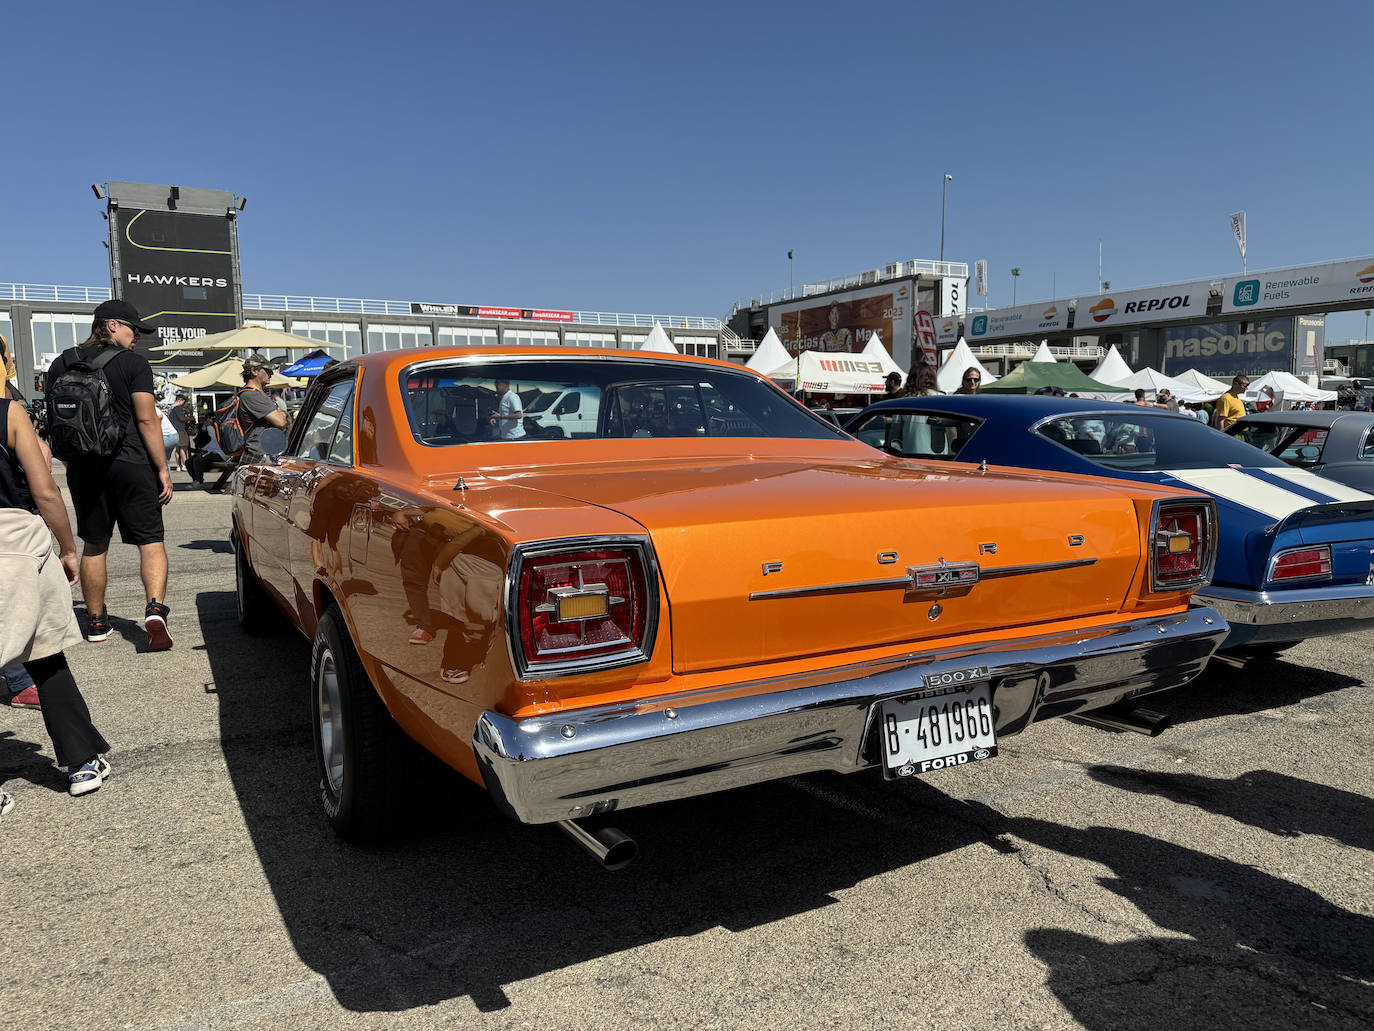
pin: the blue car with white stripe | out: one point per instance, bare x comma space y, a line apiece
1296, 551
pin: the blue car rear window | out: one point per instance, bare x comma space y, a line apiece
1145, 443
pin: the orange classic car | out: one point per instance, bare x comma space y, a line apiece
592, 580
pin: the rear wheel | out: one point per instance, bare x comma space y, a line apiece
255, 611
358, 748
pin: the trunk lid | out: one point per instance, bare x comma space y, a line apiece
722, 527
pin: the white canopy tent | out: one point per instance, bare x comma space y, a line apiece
957, 362
1043, 354
770, 354
1287, 386
1213, 388
1153, 381
657, 340
875, 351
831, 372
1112, 369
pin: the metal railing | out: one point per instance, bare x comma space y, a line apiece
344, 306
54, 294
1017, 350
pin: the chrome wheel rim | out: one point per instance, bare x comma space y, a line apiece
330, 716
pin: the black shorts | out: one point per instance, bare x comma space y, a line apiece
123, 494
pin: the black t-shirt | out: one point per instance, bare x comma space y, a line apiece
128, 373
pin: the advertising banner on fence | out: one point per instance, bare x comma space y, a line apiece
1106, 312
477, 311
1220, 349
1020, 323
1311, 284
845, 321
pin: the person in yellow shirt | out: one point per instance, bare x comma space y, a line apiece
1229, 406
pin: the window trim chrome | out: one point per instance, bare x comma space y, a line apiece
527, 670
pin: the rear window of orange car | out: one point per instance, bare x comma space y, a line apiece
596, 398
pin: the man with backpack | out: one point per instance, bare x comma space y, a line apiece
103, 422
239, 424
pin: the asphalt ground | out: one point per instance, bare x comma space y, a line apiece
1217, 876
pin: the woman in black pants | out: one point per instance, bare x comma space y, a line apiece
36, 618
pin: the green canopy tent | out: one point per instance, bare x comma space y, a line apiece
1028, 377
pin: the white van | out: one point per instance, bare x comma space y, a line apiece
564, 413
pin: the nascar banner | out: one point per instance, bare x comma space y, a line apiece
1341, 281
1128, 307
1020, 323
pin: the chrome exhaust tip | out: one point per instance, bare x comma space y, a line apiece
1127, 717
612, 848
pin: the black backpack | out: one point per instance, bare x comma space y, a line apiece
228, 428
82, 420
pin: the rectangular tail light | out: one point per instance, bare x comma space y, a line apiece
1183, 543
1301, 564
581, 604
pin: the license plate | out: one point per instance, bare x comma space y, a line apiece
921, 735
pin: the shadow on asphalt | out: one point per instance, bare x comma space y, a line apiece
23, 758
1274, 802
1258, 950
1260, 685
470, 902
217, 547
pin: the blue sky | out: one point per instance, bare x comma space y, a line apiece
653, 157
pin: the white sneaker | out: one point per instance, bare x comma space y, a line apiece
89, 776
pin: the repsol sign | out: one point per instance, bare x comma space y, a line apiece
1155, 304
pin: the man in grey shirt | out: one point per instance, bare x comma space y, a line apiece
257, 411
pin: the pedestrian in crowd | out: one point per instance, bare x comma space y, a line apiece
892, 385
971, 381
129, 489
205, 452
509, 417
1229, 406
19, 686
182, 422
257, 412
1140, 399
1165, 399
921, 381
169, 434
36, 621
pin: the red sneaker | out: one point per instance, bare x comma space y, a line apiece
26, 699
421, 636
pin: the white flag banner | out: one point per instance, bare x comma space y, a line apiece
980, 272
1238, 227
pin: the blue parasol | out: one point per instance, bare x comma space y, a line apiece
311, 365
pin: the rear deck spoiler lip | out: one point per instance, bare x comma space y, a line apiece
1326, 512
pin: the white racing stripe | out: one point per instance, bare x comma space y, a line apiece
1335, 491
1243, 489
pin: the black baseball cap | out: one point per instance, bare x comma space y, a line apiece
122, 311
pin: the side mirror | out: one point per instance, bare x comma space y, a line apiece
272, 442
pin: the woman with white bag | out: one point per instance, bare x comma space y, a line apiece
36, 618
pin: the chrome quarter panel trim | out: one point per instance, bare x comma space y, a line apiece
1261, 617
1037, 567
749, 732
904, 582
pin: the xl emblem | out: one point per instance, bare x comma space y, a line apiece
942, 578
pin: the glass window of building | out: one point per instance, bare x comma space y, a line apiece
633, 341
702, 347
54, 333
334, 337
393, 338
572, 339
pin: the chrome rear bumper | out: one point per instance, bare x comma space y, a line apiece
585, 761
1270, 617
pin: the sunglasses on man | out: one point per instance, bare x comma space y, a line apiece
129, 325
973, 379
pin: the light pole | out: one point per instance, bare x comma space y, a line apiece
789, 275
944, 190
1366, 328
1015, 275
